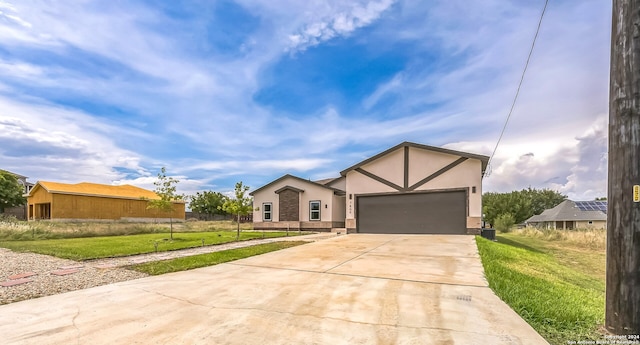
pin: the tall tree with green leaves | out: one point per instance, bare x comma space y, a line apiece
166, 190
240, 206
11, 191
208, 202
520, 204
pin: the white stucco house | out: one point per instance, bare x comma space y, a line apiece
410, 188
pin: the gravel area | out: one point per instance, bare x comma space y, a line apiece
93, 272
45, 283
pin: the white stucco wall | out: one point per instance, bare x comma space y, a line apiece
464, 175
339, 183
316, 193
311, 192
339, 211
390, 166
422, 163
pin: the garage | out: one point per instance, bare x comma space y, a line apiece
413, 213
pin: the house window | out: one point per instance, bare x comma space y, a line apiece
590, 222
314, 210
266, 212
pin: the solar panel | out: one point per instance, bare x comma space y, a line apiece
592, 205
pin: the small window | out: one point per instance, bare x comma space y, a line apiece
266, 212
590, 222
314, 210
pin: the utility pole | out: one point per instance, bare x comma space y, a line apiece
622, 315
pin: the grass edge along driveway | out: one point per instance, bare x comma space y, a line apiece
87, 248
557, 298
210, 259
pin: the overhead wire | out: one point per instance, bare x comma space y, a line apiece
515, 99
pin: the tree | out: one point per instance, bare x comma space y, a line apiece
240, 206
504, 222
542, 199
208, 202
11, 191
520, 204
166, 190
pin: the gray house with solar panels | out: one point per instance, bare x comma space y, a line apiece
570, 215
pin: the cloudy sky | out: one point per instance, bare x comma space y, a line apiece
249, 90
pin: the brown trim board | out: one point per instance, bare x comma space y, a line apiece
379, 179
406, 167
438, 173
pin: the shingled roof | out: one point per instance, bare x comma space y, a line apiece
94, 189
567, 211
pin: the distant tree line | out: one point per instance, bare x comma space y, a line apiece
10, 191
518, 206
208, 203
215, 203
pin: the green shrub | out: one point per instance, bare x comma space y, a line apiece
505, 222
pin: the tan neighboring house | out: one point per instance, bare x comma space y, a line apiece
20, 212
291, 202
92, 201
409, 189
569, 215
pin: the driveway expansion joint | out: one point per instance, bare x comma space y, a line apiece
361, 254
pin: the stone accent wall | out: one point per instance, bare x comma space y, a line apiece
320, 226
289, 205
474, 231
291, 225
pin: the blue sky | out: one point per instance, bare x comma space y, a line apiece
249, 90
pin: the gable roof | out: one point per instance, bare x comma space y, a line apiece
287, 187
94, 189
483, 159
14, 174
566, 211
335, 190
326, 181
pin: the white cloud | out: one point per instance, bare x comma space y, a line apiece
577, 168
9, 12
246, 166
335, 19
185, 185
50, 143
20, 70
207, 101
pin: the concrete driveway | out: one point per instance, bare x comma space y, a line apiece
354, 289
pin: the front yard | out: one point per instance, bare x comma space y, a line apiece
85, 241
555, 282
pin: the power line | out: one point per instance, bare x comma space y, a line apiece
524, 71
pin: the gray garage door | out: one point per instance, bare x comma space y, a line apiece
415, 213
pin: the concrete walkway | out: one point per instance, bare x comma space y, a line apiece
354, 289
167, 255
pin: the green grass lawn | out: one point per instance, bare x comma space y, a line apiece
112, 246
557, 287
203, 260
